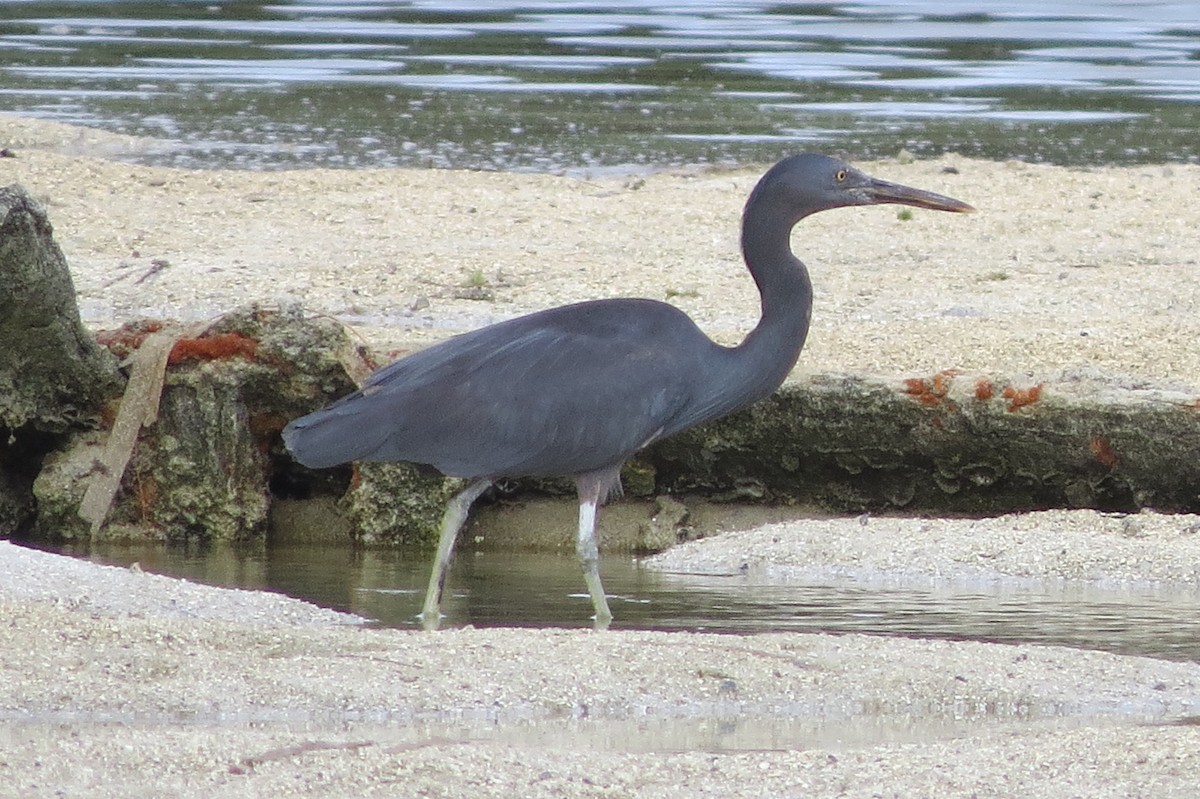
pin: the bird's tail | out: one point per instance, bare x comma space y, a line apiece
329, 437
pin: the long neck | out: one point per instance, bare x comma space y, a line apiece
769, 352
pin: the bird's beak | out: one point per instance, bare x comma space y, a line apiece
881, 191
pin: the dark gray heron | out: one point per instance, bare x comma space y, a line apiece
577, 390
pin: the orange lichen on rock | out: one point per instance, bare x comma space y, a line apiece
1020, 397
941, 382
931, 392
128, 337
917, 386
211, 348
1102, 452
984, 390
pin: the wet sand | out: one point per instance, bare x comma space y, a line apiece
118, 683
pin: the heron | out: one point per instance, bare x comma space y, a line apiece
575, 391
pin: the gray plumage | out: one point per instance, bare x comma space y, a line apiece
577, 390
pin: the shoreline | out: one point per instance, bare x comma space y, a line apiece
117, 683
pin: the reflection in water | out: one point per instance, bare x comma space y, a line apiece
502, 589
627, 84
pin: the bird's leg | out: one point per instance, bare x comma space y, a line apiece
589, 552
452, 522
589, 559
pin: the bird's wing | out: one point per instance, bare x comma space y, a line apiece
562, 392
566, 402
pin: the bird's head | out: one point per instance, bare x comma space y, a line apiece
807, 183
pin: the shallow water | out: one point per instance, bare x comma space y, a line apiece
488, 589
584, 86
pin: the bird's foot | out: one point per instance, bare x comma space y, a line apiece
430, 621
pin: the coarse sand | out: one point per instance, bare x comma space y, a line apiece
117, 683
1090, 269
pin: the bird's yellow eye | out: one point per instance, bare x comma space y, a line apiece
840, 177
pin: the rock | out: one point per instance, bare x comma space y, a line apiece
53, 376
211, 464
213, 456
16, 500
665, 528
397, 504
54, 379
59, 489
206, 468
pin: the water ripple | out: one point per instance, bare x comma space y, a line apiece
1061, 81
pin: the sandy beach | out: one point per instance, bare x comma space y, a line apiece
117, 683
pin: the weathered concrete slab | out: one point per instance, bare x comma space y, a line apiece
951, 442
